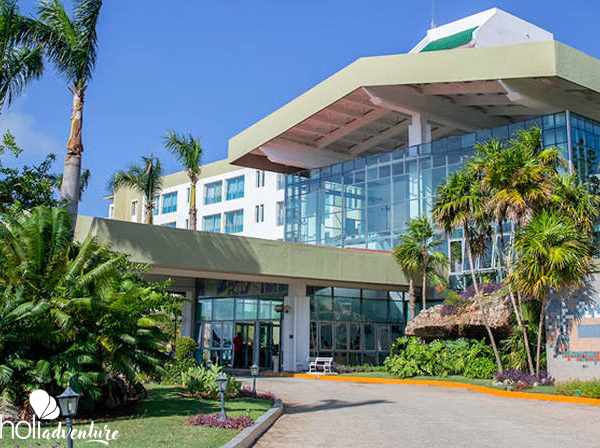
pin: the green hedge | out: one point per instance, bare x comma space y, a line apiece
410, 356
590, 389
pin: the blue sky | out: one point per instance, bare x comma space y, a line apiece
214, 68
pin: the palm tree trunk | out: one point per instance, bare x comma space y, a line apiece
479, 298
149, 208
193, 208
69, 189
411, 298
540, 332
512, 300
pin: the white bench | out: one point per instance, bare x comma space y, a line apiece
325, 364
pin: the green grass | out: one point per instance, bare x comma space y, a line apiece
458, 379
162, 423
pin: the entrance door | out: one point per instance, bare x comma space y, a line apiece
269, 339
243, 344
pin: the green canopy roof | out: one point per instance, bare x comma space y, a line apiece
450, 42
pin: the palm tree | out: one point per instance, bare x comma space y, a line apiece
554, 254
70, 43
485, 168
416, 253
574, 199
458, 203
188, 152
19, 63
145, 178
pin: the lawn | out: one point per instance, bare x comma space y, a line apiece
162, 422
458, 379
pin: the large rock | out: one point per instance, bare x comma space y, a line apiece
465, 321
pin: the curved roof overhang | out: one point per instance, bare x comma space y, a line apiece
367, 107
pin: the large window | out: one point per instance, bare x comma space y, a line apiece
169, 202
155, 209
280, 181
169, 224
212, 223
235, 188
234, 221
212, 193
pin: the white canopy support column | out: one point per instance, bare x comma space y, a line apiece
419, 131
295, 332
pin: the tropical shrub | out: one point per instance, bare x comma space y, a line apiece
214, 421
411, 356
590, 388
202, 382
73, 313
182, 361
519, 376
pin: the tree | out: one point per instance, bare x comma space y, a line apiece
70, 43
416, 254
458, 203
485, 168
188, 152
72, 311
574, 198
554, 254
28, 186
145, 178
19, 63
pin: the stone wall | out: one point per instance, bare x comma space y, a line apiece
573, 333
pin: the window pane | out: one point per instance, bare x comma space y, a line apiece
246, 309
341, 342
354, 337
375, 310
212, 192
326, 337
223, 309
235, 188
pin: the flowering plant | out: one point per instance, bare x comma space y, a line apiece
214, 421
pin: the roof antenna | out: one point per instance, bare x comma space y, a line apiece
432, 14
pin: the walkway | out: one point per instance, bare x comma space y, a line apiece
335, 414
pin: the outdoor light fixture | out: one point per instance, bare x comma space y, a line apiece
254, 373
222, 386
209, 364
68, 402
278, 308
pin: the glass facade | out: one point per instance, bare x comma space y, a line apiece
365, 203
235, 188
356, 326
238, 323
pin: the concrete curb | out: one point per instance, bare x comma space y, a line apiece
248, 436
456, 385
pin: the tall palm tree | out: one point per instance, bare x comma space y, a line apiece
458, 204
554, 254
145, 178
574, 199
416, 253
188, 151
19, 63
70, 43
484, 167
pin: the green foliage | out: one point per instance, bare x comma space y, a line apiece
19, 63
202, 382
590, 388
513, 345
183, 360
72, 311
186, 149
411, 356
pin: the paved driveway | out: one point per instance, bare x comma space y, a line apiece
336, 414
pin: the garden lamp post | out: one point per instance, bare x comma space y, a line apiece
222, 386
68, 402
209, 364
254, 373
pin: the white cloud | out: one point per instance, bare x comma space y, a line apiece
35, 142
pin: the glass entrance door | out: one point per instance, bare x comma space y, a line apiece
243, 344
269, 339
